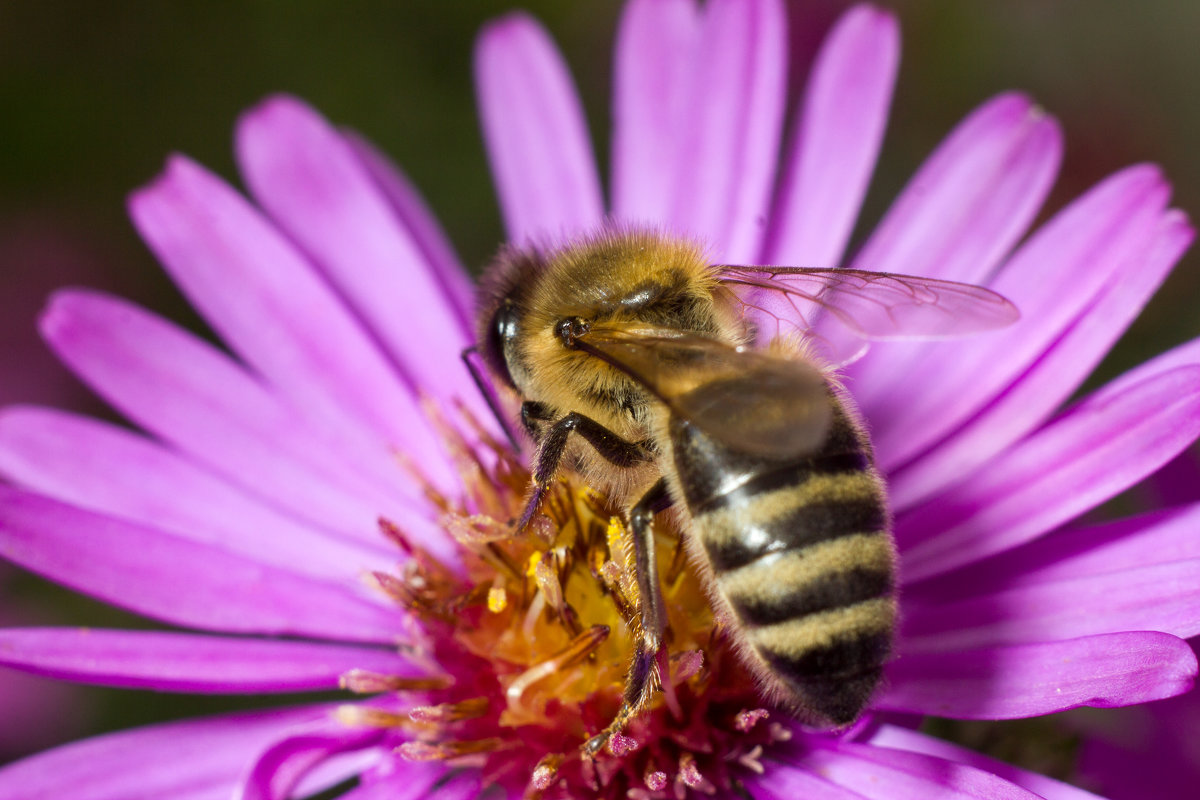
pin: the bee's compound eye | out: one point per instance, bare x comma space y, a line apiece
501, 335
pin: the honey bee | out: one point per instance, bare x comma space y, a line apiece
650, 369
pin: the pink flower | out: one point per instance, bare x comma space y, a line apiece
246, 512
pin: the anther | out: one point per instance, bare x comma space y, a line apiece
690, 774
686, 665
444, 751
547, 580
361, 681
621, 745
361, 717
655, 779
450, 712
746, 719
546, 772
476, 529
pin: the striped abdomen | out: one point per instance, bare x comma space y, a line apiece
800, 549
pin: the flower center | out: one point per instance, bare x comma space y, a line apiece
535, 636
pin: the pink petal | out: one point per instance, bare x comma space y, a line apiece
974, 196
101, 467
879, 773
189, 760
730, 136
1017, 681
1053, 279
182, 662
974, 209
277, 770
891, 736
317, 189
283, 319
1163, 597
340, 768
786, 781
536, 136
837, 139
185, 391
1092, 452
415, 781
185, 583
657, 48
416, 217
1161, 537
1064, 365
1186, 354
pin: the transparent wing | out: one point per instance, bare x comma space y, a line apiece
840, 304
748, 400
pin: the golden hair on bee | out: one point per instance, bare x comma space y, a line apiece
617, 276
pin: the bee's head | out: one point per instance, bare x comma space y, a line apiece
503, 294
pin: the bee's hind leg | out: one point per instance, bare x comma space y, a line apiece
639, 683
617, 451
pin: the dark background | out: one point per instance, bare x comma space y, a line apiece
95, 94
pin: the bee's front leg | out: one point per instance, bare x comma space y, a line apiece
533, 416
614, 449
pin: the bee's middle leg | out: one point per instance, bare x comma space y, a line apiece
639, 682
617, 451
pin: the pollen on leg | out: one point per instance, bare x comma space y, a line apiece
535, 635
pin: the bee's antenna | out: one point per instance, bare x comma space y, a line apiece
485, 390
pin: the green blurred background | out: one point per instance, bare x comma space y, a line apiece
95, 94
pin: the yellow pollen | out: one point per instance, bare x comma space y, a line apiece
615, 535
497, 599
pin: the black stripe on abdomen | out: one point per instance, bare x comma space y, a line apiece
801, 526
778, 602
844, 657
836, 680
768, 479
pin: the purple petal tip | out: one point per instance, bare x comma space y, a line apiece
499, 31
1142, 175
882, 19
273, 110
54, 321
175, 166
